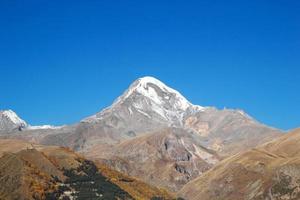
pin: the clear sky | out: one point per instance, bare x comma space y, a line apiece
61, 61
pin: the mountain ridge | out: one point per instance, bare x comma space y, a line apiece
142, 82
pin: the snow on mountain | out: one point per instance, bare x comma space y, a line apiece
9, 120
13, 117
153, 99
43, 127
157, 91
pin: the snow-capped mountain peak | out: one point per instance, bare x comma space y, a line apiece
9, 121
13, 117
152, 99
157, 92
147, 86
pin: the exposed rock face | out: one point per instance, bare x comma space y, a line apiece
172, 153
153, 126
270, 171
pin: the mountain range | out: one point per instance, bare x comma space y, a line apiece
155, 134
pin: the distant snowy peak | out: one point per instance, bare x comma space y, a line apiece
43, 127
12, 117
9, 121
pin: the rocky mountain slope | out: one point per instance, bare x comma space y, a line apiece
228, 131
168, 158
270, 171
30, 171
156, 123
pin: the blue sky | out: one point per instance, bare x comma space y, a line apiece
61, 61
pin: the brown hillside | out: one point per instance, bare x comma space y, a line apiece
54, 172
270, 171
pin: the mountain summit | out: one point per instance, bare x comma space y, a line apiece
9, 121
156, 91
154, 100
